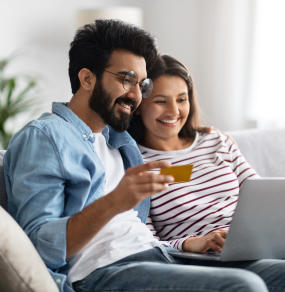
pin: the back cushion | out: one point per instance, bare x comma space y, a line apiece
263, 149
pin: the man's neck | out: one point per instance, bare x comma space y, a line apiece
79, 104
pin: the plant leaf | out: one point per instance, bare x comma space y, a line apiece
16, 96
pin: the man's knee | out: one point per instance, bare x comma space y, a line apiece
242, 280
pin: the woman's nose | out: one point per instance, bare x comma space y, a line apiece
173, 108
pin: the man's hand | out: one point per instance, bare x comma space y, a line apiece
201, 244
137, 184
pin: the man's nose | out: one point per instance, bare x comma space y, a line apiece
135, 92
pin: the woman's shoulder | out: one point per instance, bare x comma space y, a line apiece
210, 132
214, 134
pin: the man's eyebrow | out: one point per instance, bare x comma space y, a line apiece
131, 75
128, 73
122, 73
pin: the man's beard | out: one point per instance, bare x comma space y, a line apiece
101, 102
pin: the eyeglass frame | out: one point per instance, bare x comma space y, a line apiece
132, 76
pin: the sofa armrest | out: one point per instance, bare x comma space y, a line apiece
21, 267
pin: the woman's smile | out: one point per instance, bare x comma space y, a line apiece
168, 122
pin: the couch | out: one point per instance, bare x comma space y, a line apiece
22, 269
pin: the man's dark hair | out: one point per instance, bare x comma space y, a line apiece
93, 44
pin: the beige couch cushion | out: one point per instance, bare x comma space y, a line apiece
263, 149
21, 268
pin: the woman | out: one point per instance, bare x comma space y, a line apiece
192, 216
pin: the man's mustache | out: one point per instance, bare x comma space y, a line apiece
127, 101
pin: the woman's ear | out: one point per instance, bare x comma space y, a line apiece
87, 79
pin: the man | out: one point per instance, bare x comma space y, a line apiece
67, 187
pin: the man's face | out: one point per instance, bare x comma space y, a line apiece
110, 100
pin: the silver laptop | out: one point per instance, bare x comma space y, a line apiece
257, 230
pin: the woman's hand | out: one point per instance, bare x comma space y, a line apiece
212, 241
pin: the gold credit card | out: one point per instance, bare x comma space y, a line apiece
181, 173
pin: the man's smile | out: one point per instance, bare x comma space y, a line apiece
125, 107
126, 104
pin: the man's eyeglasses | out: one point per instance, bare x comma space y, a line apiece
129, 80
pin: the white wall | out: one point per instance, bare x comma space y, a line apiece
212, 37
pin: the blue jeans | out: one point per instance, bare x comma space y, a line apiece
155, 270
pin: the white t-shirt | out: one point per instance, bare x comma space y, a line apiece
122, 236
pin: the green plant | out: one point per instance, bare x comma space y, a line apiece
15, 98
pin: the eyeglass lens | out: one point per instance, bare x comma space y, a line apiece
130, 81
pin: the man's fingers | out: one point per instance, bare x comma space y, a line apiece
147, 166
150, 189
149, 177
150, 183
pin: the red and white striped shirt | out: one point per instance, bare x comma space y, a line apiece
208, 201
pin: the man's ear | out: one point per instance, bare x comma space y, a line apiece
87, 79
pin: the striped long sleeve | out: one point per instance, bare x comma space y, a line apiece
208, 201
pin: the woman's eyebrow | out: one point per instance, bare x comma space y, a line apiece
160, 95
166, 96
182, 93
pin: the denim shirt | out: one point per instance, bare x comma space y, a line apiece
52, 172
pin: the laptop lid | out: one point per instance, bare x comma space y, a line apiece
257, 230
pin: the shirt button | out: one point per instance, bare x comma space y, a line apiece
58, 281
91, 138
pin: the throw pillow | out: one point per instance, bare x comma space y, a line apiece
21, 267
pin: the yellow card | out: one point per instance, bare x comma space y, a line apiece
181, 173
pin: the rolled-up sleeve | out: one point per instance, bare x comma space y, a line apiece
35, 182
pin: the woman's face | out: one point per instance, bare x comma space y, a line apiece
165, 112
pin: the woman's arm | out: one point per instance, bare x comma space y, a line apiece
200, 244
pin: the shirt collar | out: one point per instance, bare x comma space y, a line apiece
113, 138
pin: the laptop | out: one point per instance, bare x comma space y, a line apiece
257, 230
